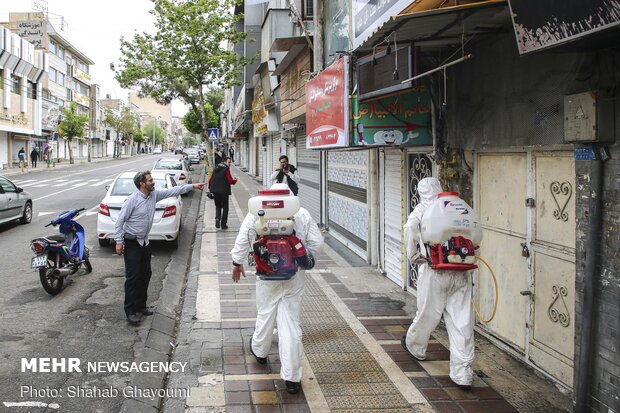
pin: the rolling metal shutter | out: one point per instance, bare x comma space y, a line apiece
308, 165
393, 215
347, 177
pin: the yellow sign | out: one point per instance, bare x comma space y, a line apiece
81, 76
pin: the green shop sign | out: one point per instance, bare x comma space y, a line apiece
400, 120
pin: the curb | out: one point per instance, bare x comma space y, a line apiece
161, 335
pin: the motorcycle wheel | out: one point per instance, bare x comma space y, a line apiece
51, 284
89, 267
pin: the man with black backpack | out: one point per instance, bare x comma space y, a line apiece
219, 185
286, 173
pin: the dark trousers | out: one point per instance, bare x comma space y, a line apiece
34, 162
137, 275
221, 208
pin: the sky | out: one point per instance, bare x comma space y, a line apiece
95, 27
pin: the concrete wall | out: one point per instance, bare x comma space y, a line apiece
499, 100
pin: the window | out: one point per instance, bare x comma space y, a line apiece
7, 186
32, 90
1, 80
57, 77
53, 47
107, 134
308, 9
69, 94
82, 66
15, 84
61, 52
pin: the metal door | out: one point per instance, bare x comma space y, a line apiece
526, 205
502, 190
552, 329
420, 167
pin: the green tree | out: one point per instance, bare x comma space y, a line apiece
192, 123
188, 52
151, 130
73, 125
216, 98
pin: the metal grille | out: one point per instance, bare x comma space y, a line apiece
420, 167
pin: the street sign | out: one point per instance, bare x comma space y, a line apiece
213, 134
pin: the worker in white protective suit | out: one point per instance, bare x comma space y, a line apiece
278, 302
440, 292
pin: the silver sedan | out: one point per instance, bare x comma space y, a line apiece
14, 202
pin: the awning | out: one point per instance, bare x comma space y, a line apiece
444, 26
293, 45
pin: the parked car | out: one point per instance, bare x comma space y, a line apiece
193, 155
178, 151
175, 166
157, 151
168, 219
14, 202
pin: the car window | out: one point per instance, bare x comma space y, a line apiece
7, 185
168, 165
174, 183
160, 184
123, 187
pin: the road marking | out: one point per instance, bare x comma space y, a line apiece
36, 182
19, 182
88, 213
69, 183
42, 214
55, 406
101, 182
58, 192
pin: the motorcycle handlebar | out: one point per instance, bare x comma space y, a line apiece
51, 223
81, 209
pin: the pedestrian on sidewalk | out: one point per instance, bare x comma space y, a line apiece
21, 155
34, 156
440, 292
133, 225
219, 185
231, 153
286, 173
278, 303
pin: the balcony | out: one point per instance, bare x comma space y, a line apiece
277, 24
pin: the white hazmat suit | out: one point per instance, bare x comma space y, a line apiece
440, 292
279, 302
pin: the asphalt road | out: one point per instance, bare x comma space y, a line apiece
86, 320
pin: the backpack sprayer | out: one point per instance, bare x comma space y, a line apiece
277, 252
450, 233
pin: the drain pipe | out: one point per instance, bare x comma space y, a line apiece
595, 206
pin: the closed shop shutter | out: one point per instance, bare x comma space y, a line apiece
347, 177
308, 165
393, 210
274, 155
261, 152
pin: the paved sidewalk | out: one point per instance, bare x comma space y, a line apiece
352, 321
42, 166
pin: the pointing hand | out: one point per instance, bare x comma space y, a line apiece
199, 186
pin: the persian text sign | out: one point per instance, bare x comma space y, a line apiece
401, 120
327, 107
33, 31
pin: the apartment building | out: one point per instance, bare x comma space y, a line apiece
68, 79
21, 71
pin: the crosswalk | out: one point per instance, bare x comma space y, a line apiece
56, 183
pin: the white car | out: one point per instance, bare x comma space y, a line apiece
167, 222
174, 166
157, 151
192, 154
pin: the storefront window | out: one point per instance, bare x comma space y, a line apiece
15, 84
336, 29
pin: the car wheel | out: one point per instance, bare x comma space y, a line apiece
174, 244
27, 215
104, 242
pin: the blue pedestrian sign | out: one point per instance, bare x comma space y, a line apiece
213, 134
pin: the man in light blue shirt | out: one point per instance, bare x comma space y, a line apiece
133, 225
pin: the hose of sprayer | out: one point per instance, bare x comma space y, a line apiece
476, 310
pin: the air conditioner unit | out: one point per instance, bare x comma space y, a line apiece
375, 72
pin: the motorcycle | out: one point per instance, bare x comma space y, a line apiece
58, 256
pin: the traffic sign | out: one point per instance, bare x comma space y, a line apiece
213, 134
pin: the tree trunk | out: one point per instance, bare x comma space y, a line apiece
70, 151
